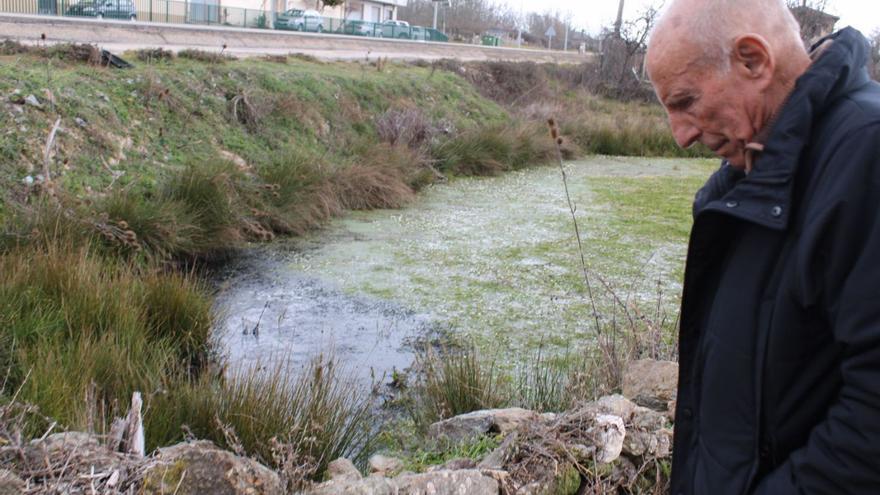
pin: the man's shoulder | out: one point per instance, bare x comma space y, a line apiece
858, 110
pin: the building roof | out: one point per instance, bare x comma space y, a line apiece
802, 12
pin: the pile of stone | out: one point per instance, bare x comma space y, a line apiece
622, 432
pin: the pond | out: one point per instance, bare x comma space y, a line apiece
491, 259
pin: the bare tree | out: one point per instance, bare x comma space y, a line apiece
623, 49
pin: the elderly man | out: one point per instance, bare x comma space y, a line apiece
779, 388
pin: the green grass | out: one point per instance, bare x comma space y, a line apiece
183, 161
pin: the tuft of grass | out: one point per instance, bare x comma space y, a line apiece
476, 449
492, 150
455, 382
316, 413
87, 333
82, 332
153, 55
205, 56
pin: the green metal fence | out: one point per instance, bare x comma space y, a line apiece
210, 12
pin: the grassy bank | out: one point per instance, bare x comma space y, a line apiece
181, 161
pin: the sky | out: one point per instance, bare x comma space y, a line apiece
592, 15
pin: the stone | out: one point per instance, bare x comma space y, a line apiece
10, 483
32, 101
478, 423
455, 465
200, 467
656, 444
237, 160
644, 418
497, 458
617, 405
461, 482
610, 437
343, 469
464, 482
371, 485
83, 448
463, 427
384, 465
80, 122
651, 383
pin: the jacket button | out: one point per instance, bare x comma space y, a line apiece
764, 451
732, 204
687, 413
776, 211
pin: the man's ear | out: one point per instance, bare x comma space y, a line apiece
752, 57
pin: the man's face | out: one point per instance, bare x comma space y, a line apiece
704, 104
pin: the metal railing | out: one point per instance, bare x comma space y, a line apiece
212, 13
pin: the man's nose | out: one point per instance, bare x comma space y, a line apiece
684, 132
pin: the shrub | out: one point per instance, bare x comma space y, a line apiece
408, 127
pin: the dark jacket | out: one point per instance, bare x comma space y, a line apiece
779, 388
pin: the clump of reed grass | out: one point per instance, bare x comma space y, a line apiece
151, 55
313, 415
456, 381
205, 56
492, 150
85, 331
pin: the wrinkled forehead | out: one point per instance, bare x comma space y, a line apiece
674, 61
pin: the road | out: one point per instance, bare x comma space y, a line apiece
119, 36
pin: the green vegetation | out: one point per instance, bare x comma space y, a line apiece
182, 161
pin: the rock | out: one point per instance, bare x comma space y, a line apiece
611, 434
80, 448
651, 383
656, 444
647, 419
200, 467
10, 483
463, 482
239, 162
617, 405
380, 464
32, 101
80, 122
371, 485
463, 427
497, 458
670, 410
455, 465
478, 423
343, 470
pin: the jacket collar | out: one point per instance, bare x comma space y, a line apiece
764, 196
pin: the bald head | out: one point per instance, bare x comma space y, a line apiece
710, 27
723, 69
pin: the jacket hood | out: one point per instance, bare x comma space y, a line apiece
764, 196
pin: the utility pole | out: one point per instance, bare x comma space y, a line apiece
619, 22
565, 45
436, 11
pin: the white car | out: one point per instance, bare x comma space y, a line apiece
396, 29
300, 20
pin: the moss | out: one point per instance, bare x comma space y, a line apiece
166, 478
